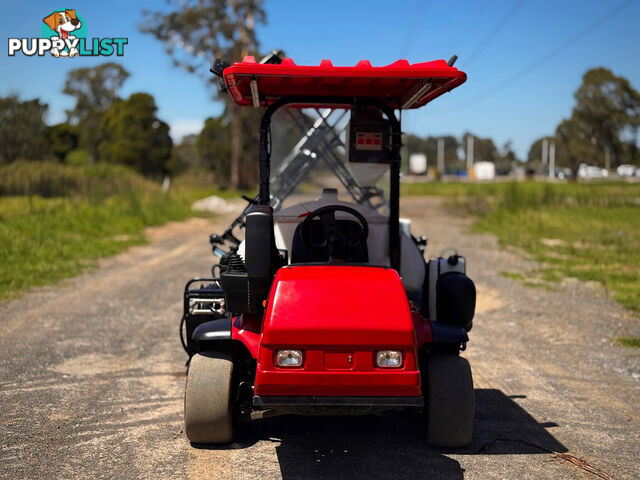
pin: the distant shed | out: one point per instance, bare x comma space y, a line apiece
484, 170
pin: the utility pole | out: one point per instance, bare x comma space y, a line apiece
469, 154
607, 158
552, 160
441, 155
545, 146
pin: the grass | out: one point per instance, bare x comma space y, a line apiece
57, 220
43, 240
523, 193
628, 342
587, 231
513, 276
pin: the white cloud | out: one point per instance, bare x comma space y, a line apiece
184, 126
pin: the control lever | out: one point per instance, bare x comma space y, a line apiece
230, 237
251, 201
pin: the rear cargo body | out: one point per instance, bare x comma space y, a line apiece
339, 316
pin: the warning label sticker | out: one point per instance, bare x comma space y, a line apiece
368, 141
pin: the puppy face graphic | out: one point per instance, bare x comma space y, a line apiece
63, 23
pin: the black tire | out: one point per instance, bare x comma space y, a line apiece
449, 401
207, 407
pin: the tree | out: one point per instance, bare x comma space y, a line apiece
184, 156
22, 128
414, 143
604, 123
429, 146
505, 159
535, 150
95, 89
195, 33
575, 145
61, 139
214, 149
134, 136
610, 107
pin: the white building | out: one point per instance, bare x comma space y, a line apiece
484, 170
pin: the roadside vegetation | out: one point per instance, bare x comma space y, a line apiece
86, 188
56, 221
588, 231
628, 342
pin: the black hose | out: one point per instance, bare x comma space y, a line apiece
182, 340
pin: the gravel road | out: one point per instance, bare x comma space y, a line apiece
92, 379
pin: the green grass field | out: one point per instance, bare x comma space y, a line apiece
587, 231
56, 221
104, 211
628, 342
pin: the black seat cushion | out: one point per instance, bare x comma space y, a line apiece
301, 254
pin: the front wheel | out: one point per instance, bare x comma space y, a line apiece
449, 401
207, 406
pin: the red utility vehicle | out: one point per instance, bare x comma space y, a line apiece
328, 306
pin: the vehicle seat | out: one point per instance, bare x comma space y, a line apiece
301, 254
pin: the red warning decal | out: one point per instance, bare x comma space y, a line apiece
368, 141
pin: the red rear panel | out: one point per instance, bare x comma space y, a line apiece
339, 316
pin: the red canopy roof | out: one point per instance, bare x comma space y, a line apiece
401, 84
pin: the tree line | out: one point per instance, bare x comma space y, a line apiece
602, 130
484, 149
194, 33
104, 127
603, 126
100, 127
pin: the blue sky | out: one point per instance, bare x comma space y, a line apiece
524, 59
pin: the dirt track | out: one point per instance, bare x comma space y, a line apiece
92, 378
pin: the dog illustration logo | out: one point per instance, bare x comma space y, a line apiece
63, 23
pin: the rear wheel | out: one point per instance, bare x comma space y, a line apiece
449, 401
207, 408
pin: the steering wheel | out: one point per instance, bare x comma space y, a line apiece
340, 243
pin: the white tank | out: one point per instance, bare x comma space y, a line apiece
287, 220
418, 163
